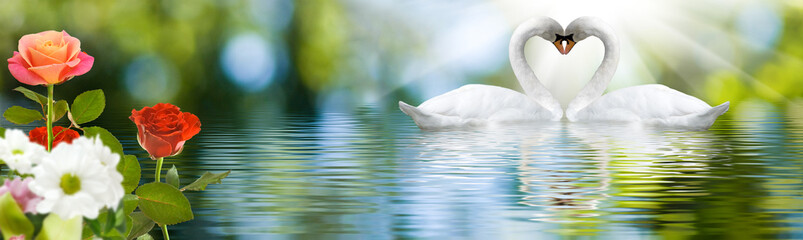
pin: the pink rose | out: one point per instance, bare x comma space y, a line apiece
48, 57
26, 199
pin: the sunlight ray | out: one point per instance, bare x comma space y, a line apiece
678, 37
433, 63
637, 60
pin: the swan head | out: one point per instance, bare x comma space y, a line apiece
580, 29
544, 27
569, 39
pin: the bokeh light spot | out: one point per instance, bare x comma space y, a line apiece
760, 25
248, 60
149, 78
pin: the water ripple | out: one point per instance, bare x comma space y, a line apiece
374, 175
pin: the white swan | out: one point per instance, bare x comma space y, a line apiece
652, 104
477, 105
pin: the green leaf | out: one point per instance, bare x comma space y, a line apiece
110, 224
39, 98
12, 219
145, 237
2, 132
129, 225
37, 220
172, 176
163, 203
122, 223
129, 168
206, 179
59, 109
142, 225
88, 106
21, 115
56, 228
108, 139
130, 202
107, 220
86, 233
95, 224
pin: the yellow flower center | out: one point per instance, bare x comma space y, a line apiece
17, 152
70, 184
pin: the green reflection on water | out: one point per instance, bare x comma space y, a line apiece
371, 174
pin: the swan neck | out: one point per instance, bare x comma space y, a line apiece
602, 77
529, 82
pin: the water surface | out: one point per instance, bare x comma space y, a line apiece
372, 174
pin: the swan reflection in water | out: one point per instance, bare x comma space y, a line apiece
565, 172
628, 173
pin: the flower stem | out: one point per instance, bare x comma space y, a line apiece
49, 117
159, 161
165, 235
159, 169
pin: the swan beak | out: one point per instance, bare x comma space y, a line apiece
569, 45
558, 44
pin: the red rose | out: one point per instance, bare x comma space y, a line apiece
163, 129
39, 135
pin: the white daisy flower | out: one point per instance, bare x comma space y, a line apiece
94, 147
78, 179
19, 153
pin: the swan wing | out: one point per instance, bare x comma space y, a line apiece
653, 103
476, 104
480, 101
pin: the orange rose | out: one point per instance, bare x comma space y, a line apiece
39, 135
48, 57
163, 129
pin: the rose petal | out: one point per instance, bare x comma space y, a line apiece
19, 69
192, 125
72, 63
140, 136
40, 59
53, 36
50, 73
136, 116
60, 54
179, 147
82, 67
73, 44
155, 146
55, 40
166, 107
26, 42
173, 138
60, 134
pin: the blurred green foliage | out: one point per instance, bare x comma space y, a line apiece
188, 36
776, 80
361, 50
322, 47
